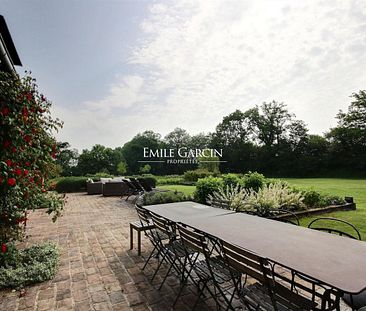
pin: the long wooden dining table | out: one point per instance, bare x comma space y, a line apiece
333, 260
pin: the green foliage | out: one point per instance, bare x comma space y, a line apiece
149, 178
207, 186
210, 164
66, 159
193, 176
253, 180
122, 168
27, 153
99, 159
164, 197
100, 175
170, 180
234, 195
71, 184
33, 265
145, 169
272, 197
315, 199
232, 180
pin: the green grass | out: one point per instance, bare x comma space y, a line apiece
187, 190
355, 188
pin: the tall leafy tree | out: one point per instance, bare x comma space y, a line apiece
67, 158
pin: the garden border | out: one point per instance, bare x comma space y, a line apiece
318, 211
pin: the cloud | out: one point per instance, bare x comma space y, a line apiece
197, 61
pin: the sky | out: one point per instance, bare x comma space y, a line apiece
114, 68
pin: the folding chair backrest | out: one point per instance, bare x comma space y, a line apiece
243, 261
163, 225
144, 215
129, 184
191, 239
325, 224
294, 291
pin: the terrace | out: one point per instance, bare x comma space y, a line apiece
97, 270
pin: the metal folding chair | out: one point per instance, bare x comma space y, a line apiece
210, 270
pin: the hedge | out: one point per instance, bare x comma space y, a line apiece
71, 184
207, 186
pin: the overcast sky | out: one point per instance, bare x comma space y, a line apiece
115, 68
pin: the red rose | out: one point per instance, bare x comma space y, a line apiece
18, 172
25, 172
8, 162
31, 179
13, 150
12, 182
5, 111
27, 138
4, 248
41, 110
25, 112
53, 154
6, 144
27, 163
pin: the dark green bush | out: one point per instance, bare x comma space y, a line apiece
253, 180
232, 180
315, 199
207, 186
164, 197
33, 265
71, 184
193, 176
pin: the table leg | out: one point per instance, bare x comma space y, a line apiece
139, 243
131, 237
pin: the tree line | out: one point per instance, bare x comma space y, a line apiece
267, 138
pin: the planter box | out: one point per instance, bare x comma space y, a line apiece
317, 211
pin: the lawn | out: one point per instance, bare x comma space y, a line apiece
355, 188
187, 190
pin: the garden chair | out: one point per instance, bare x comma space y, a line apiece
293, 219
355, 301
277, 288
144, 224
316, 224
211, 271
170, 248
145, 185
132, 190
290, 290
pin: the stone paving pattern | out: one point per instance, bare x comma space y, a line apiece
97, 270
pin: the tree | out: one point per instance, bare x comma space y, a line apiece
348, 138
67, 158
133, 151
99, 159
122, 168
28, 151
177, 138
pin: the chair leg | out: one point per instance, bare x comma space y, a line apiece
139, 243
158, 268
148, 259
131, 237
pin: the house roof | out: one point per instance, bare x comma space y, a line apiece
8, 41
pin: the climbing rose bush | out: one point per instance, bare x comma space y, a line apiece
27, 152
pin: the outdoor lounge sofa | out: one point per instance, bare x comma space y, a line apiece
115, 188
94, 187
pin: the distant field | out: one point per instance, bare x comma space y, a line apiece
355, 188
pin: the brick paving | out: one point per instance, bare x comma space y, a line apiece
97, 270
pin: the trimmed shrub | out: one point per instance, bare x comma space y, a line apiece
232, 180
314, 199
71, 184
164, 197
253, 180
193, 176
207, 186
171, 180
38, 263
